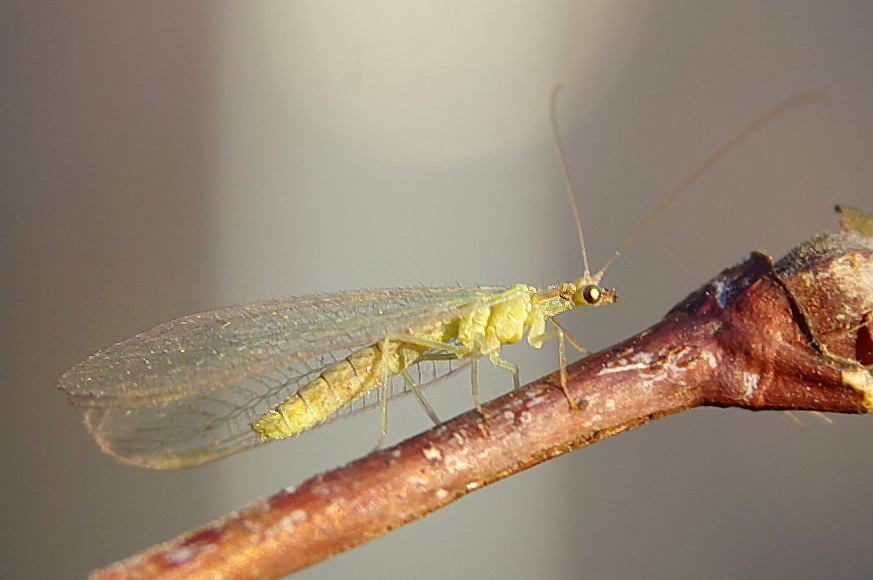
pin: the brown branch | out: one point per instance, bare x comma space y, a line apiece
791, 337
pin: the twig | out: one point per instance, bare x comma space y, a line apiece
794, 336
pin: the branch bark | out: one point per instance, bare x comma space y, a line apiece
792, 335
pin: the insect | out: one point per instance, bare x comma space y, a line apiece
208, 385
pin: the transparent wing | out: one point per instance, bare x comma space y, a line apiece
185, 392
209, 426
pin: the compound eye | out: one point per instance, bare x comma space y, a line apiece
589, 295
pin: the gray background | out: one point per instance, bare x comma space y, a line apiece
163, 158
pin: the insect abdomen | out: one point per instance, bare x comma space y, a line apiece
339, 384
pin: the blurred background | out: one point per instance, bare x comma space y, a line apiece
164, 158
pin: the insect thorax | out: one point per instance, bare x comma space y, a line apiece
504, 321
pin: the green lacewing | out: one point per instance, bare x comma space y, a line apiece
208, 385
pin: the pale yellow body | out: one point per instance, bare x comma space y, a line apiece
341, 383
502, 319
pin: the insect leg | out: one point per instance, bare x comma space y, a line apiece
505, 364
453, 351
562, 359
474, 375
474, 381
567, 335
385, 346
441, 356
419, 396
383, 394
457, 351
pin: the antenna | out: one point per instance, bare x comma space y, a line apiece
559, 147
762, 120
